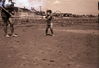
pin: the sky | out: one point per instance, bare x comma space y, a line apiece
66, 6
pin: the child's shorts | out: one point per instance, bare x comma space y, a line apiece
7, 20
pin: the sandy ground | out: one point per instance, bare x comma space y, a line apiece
72, 47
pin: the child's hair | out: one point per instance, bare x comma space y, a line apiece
49, 11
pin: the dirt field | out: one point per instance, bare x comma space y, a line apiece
73, 46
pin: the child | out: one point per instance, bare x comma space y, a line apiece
49, 18
6, 12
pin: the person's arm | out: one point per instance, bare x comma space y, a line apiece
3, 2
46, 16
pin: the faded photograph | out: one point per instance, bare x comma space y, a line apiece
49, 33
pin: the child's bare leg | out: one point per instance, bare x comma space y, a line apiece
46, 30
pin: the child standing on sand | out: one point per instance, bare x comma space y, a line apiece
49, 25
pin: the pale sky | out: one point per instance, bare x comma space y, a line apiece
68, 6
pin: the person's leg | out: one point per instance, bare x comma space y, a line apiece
5, 24
12, 27
46, 32
5, 28
51, 29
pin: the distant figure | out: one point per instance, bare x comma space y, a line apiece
49, 25
6, 13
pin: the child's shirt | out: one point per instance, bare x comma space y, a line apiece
49, 19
